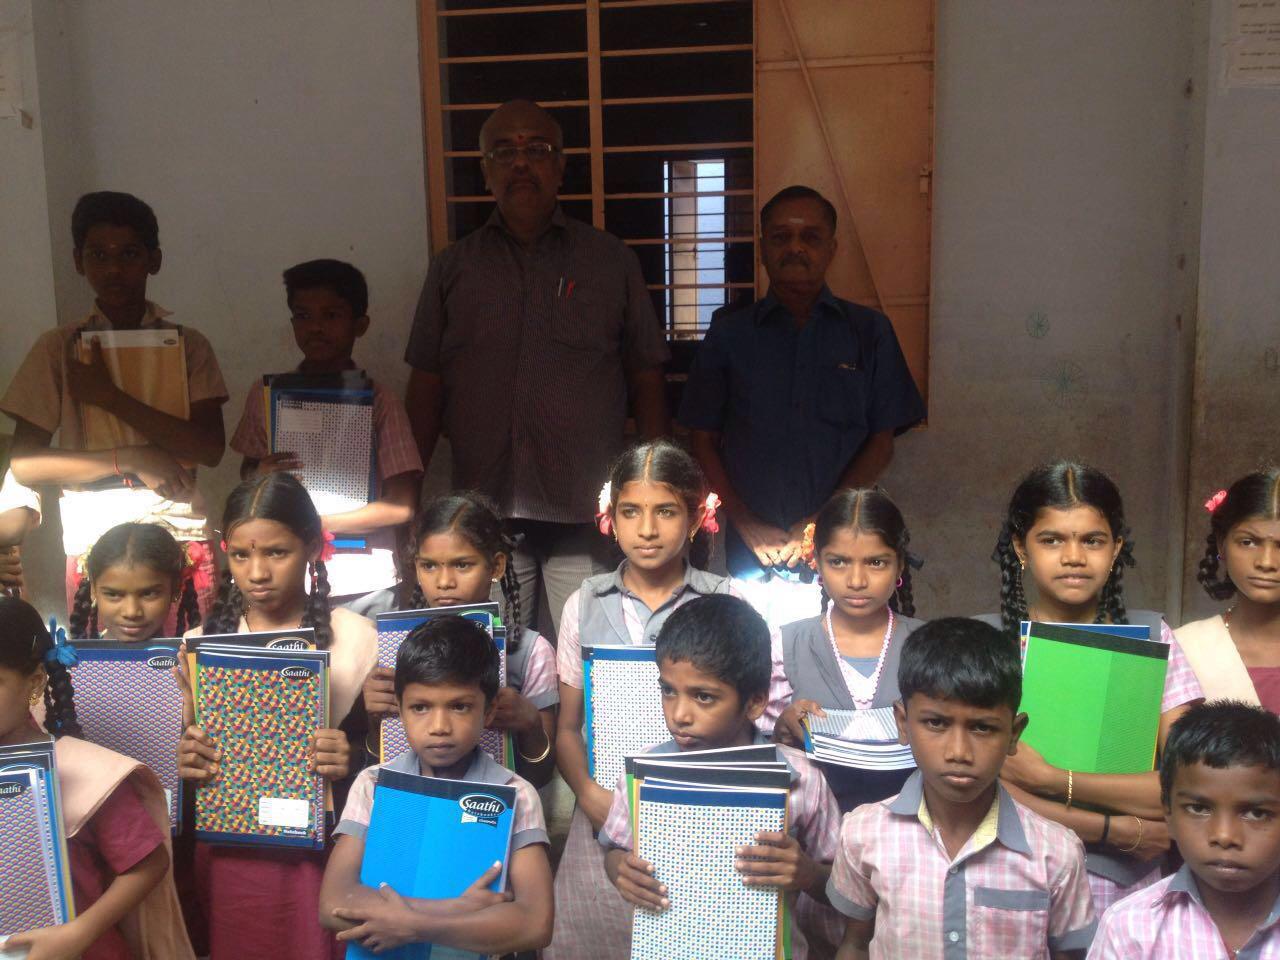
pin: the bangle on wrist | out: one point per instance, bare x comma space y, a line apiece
1106, 828
546, 751
1071, 788
1136, 843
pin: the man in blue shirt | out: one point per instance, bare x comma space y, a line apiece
796, 395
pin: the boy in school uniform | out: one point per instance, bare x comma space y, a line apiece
446, 681
714, 666
117, 248
1220, 783
328, 304
953, 867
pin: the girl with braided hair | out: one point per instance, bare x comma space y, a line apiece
460, 550
846, 658
1066, 538
1236, 654
114, 810
276, 580
134, 575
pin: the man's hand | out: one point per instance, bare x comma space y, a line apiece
639, 886
380, 692
791, 555
776, 860
158, 470
90, 382
767, 542
789, 729
276, 463
11, 569
514, 712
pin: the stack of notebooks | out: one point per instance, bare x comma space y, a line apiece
127, 701
150, 365
35, 874
690, 814
262, 705
1093, 693
433, 838
623, 707
860, 739
394, 627
328, 423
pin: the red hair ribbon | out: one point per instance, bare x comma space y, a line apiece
1214, 502
807, 553
328, 550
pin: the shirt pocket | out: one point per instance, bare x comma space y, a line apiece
586, 321
841, 393
1009, 923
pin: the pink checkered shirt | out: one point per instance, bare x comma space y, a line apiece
1167, 920
1016, 890
812, 811
1180, 683
528, 827
539, 682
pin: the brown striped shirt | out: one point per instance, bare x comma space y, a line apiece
534, 346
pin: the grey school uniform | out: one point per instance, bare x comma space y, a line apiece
1105, 861
602, 620
812, 671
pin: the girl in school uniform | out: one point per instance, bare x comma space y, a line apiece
114, 809
460, 550
659, 509
262, 901
1236, 654
1065, 537
134, 575
846, 658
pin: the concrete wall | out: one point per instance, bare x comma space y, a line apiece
1064, 134
1237, 384
1066, 230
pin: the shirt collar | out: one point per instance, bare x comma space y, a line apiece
481, 769
1184, 882
770, 304
558, 220
614, 583
151, 317
1008, 825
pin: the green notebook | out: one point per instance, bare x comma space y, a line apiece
1093, 697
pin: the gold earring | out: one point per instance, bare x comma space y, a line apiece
37, 695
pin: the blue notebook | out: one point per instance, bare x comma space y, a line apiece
431, 838
35, 873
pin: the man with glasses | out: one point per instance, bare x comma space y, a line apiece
531, 336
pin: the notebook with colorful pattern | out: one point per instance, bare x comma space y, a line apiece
261, 707
623, 707
128, 701
35, 875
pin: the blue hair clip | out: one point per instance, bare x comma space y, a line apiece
62, 651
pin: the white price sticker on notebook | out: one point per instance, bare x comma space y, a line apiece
284, 812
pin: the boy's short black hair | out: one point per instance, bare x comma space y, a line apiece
342, 278
723, 636
117, 209
1219, 734
960, 659
449, 649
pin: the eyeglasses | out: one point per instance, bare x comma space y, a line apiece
538, 152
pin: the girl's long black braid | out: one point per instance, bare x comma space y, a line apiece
1111, 607
59, 702
317, 616
228, 608
1013, 598
1210, 575
188, 607
83, 622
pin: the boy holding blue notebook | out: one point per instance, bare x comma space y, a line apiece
446, 680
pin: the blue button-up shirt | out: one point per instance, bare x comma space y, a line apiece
794, 405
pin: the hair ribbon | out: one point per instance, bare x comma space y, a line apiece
62, 651
1214, 502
